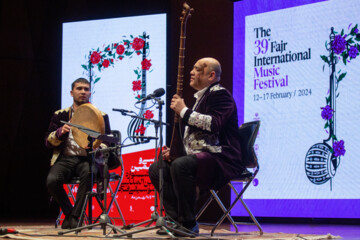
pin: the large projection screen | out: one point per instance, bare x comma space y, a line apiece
309, 165
125, 58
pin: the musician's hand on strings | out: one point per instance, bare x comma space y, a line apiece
166, 153
177, 103
65, 129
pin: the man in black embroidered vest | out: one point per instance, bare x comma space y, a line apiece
211, 144
69, 159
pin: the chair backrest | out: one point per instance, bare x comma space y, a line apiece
115, 158
248, 132
117, 134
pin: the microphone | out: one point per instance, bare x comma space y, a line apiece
144, 137
4, 231
123, 111
157, 93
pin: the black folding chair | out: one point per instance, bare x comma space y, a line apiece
247, 132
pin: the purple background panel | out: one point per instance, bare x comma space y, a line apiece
307, 208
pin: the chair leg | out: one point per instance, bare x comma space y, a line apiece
57, 222
113, 200
223, 208
204, 207
239, 197
252, 216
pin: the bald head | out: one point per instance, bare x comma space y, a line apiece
206, 71
211, 64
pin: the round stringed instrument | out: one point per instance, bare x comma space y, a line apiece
89, 116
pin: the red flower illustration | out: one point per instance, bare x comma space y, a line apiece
108, 49
141, 129
106, 63
148, 114
120, 49
138, 44
138, 53
95, 58
136, 85
146, 64
115, 44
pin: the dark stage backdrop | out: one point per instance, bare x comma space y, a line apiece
30, 68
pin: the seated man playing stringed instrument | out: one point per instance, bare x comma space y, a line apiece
69, 159
210, 142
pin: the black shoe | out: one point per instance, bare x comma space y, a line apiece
66, 223
73, 222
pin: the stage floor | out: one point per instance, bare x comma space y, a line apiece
271, 231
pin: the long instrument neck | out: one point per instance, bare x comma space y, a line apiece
180, 76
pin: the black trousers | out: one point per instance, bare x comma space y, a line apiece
179, 187
64, 169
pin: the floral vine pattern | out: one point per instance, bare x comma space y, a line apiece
346, 48
102, 59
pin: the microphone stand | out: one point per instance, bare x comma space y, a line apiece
104, 218
154, 215
160, 219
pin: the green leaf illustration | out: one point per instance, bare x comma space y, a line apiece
344, 59
327, 100
341, 77
84, 66
353, 29
96, 80
350, 40
324, 58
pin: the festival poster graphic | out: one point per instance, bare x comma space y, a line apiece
287, 86
323, 159
125, 60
